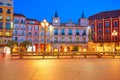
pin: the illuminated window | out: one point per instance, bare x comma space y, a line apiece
63, 39
7, 34
0, 33
70, 39
1, 18
8, 18
77, 39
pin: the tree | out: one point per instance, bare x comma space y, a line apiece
26, 43
11, 44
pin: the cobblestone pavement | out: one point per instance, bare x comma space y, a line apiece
59, 69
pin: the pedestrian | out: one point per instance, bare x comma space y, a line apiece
3, 53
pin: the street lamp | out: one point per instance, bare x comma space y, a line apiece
114, 33
51, 30
44, 24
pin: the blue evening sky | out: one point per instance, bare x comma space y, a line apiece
67, 9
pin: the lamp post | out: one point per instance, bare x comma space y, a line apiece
51, 30
44, 24
114, 33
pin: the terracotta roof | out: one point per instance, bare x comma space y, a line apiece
20, 15
105, 15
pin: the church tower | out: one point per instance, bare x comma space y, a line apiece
56, 19
83, 21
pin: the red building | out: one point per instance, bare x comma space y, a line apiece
103, 25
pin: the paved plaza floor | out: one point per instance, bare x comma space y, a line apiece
60, 69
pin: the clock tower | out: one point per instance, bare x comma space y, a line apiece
56, 19
83, 21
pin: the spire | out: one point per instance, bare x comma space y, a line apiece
56, 14
83, 16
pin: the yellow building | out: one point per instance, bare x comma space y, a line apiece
6, 21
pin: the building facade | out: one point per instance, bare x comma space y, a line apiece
32, 33
6, 21
66, 36
19, 30
102, 26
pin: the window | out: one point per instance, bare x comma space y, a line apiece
99, 25
1, 18
1, 3
115, 23
42, 33
107, 24
8, 18
70, 31
77, 32
16, 20
7, 34
22, 39
15, 32
92, 31
23, 27
29, 33
22, 21
48, 40
77, 39
29, 39
23, 33
31, 22
29, 28
55, 39
8, 11
15, 26
56, 32
36, 39
0, 33
1, 25
70, 39
16, 38
36, 28
99, 38
41, 40
63, 39
62, 32
8, 25
92, 25
84, 33
107, 38
1, 10
99, 31
107, 31
36, 33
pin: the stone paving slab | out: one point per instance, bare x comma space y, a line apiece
60, 69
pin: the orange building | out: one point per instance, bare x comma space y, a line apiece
6, 21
